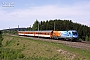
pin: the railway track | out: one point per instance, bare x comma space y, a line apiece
82, 45
87, 42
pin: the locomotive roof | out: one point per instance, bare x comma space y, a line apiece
45, 31
37, 31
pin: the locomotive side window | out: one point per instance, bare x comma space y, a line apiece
69, 33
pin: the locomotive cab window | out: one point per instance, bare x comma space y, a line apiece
74, 33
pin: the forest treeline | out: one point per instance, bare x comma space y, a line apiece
61, 25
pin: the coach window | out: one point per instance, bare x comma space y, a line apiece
48, 33
44, 33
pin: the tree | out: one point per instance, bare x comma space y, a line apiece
35, 25
87, 38
1, 39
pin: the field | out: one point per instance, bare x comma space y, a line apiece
30, 49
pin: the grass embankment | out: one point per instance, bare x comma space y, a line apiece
29, 49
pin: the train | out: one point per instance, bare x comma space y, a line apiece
66, 35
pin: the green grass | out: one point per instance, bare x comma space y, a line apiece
42, 50
10, 54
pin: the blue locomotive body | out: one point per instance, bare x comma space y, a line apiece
71, 34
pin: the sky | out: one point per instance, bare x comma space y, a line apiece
25, 12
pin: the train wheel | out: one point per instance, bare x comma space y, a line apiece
74, 40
